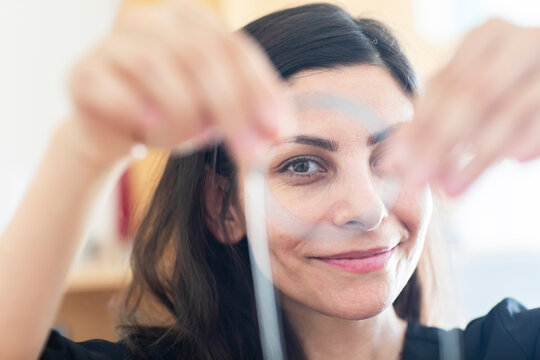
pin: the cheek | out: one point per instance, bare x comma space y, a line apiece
286, 252
343, 295
293, 273
413, 210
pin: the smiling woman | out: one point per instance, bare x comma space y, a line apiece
338, 252
192, 262
365, 291
315, 48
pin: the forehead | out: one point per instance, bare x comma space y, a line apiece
370, 85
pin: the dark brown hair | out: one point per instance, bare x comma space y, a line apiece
193, 295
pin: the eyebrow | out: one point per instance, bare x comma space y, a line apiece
319, 142
331, 145
382, 135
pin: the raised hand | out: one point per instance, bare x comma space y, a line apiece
486, 102
168, 74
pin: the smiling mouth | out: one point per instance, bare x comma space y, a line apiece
360, 261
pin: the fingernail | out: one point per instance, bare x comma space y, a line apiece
268, 117
405, 150
212, 134
399, 155
524, 153
207, 137
453, 185
391, 162
245, 145
148, 116
186, 148
422, 173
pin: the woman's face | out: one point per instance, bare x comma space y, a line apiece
328, 275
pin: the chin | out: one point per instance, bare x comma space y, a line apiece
360, 304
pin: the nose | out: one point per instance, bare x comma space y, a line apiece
360, 206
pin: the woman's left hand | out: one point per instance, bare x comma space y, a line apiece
487, 99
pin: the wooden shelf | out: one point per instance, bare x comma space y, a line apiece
98, 277
109, 269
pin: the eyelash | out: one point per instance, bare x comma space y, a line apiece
378, 154
284, 168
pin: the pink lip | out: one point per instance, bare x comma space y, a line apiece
360, 261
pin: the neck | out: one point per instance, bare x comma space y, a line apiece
325, 337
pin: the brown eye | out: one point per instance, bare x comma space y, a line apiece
302, 166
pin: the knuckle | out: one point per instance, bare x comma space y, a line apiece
264, 77
228, 45
533, 38
245, 42
495, 23
536, 33
115, 49
142, 63
478, 92
225, 110
82, 77
196, 59
134, 14
442, 78
448, 85
76, 75
491, 26
229, 101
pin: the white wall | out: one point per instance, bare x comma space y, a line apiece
440, 20
40, 42
492, 225
494, 228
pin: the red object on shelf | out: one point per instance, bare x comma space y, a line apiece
124, 206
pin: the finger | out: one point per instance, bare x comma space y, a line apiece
262, 86
479, 44
254, 82
518, 114
495, 140
433, 146
526, 146
243, 70
456, 160
151, 70
166, 26
104, 97
198, 13
490, 148
222, 96
482, 40
472, 105
138, 16
212, 135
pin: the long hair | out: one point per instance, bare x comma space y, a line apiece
193, 295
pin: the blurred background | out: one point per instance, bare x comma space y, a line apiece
492, 231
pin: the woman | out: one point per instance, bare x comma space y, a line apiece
192, 295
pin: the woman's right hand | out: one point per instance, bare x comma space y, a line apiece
171, 74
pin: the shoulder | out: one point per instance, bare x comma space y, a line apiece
507, 331
59, 347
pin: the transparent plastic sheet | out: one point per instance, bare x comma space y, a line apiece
291, 202
270, 202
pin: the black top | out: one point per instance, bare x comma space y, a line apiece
508, 331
